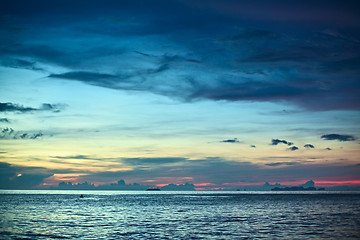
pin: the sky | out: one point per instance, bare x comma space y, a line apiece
219, 94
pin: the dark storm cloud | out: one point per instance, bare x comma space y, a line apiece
223, 50
350, 64
309, 146
252, 90
12, 107
329, 149
278, 141
18, 177
253, 146
235, 140
293, 148
339, 137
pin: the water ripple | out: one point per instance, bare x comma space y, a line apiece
136, 215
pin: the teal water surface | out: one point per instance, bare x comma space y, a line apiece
179, 215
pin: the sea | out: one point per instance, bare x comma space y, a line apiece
40, 214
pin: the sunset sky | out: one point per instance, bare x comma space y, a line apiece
213, 93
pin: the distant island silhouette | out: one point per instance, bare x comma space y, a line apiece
122, 185
308, 186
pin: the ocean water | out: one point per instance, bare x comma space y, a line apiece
179, 215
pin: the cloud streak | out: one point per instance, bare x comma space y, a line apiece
338, 137
293, 148
235, 140
12, 107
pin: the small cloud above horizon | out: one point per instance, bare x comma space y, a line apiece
308, 146
293, 148
338, 137
235, 140
278, 141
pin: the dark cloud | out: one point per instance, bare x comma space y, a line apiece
251, 34
23, 136
329, 149
253, 146
5, 120
21, 63
12, 107
342, 66
251, 90
89, 77
309, 146
276, 164
193, 51
293, 148
235, 140
9, 133
37, 135
278, 141
18, 177
339, 137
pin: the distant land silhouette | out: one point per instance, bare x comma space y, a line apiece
121, 185
308, 186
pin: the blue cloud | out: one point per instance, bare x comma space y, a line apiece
277, 141
176, 51
293, 148
235, 140
12, 107
309, 146
339, 137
